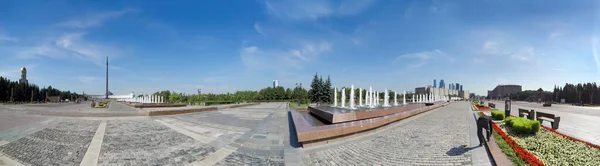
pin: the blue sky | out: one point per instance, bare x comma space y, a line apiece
224, 46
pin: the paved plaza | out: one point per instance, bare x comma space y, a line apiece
251, 135
433, 138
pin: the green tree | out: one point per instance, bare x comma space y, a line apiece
316, 90
328, 91
176, 97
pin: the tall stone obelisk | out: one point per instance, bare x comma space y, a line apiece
106, 77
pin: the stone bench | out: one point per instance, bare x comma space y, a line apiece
553, 119
547, 104
526, 113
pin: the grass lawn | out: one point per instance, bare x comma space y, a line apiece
506, 149
295, 105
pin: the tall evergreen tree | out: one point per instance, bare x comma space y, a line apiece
314, 89
322, 91
328, 91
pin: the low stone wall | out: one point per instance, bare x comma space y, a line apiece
310, 135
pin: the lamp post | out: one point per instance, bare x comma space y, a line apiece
507, 107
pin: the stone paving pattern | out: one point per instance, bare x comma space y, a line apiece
432, 139
62, 144
145, 142
255, 132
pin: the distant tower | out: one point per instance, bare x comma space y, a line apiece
275, 83
460, 88
107, 78
442, 84
434, 83
23, 79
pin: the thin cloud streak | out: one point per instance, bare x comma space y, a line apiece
96, 19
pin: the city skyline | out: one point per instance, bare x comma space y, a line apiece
188, 46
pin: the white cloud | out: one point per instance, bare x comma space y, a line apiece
524, 54
491, 47
555, 34
595, 53
95, 19
71, 45
7, 38
560, 69
422, 58
315, 9
495, 48
352, 7
255, 58
257, 28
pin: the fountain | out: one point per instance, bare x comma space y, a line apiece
352, 97
343, 97
360, 104
395, 98
386, 101
335, 97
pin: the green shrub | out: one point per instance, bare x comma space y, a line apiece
522, 125
498, 115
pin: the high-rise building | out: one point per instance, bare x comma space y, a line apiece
275, 83
434, 83
442, 84
457, 86
461, 88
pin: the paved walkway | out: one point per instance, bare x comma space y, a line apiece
579, 122
240, 136
433, 138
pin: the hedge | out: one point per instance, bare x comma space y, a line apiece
498, 115
522, 125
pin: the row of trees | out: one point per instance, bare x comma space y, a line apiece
21, 92
587, 93
266, 94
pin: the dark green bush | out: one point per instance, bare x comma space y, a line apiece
522, 125
498, 115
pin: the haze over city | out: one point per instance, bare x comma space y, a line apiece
224, 46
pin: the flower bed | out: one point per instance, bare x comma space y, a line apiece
527, 156
571, 138
481, 107
549, 147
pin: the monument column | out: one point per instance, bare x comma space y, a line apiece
106, 77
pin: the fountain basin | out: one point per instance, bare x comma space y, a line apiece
338, 115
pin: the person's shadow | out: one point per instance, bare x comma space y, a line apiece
460, 150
